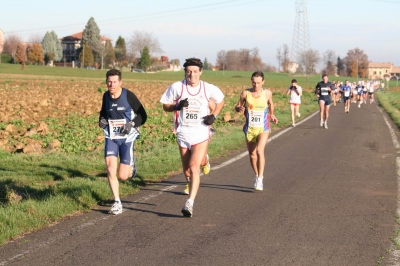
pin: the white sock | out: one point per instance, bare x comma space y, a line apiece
117, 200
261, 178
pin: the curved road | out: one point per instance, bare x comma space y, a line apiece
330, 198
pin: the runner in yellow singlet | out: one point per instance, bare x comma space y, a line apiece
258, 108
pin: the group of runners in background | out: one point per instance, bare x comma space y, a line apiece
356, 92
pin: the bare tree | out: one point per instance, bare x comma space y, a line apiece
279, 57
141, 39
221, 60
10, 44
269, 68
285, 58
329, 58
309, 59
243, 59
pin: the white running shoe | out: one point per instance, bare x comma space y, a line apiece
321, 124
187, 210
358, 106
326, 125
294, 124
259, 184
298, 114
116, 208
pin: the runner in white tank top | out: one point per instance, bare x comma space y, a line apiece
188, 99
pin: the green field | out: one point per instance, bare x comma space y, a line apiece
37, 190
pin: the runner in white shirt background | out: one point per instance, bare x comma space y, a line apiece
295, 93
371, 91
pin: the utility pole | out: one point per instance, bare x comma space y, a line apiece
301, 36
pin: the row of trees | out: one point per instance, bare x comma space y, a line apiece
242, 59
354, 64
140, 51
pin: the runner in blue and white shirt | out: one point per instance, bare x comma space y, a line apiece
346, 90
360, 89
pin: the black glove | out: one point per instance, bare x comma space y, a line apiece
181, 104
126, 129
103, 123
209, 119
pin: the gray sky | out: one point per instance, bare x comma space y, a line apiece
202, 28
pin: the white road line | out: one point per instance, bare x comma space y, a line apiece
392, 133
395, 254
394, 258
269, 140
140, 200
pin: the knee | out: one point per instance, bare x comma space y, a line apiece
186, 172
194, 169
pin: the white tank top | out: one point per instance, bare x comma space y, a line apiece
190, 119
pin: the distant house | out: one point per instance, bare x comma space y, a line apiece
396, 72
378, 70
1, 41
72, 43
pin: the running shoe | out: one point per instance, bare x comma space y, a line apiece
187, 210
358, 106
134, 168
294, 124
186, 191
116, 208
259, 184
255, 182
206, 168
321, 124
326, 125
298, 114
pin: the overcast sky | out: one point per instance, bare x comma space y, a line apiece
202, 28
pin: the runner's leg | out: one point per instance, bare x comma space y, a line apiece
197, 154
112, 164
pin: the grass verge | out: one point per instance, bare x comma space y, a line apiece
390, 102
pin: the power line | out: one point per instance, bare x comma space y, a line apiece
167, 13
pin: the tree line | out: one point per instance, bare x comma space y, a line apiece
354, 64
140, 51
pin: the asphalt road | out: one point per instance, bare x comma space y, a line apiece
330, 198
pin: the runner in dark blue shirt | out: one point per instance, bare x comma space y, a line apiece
120, 116
324, 90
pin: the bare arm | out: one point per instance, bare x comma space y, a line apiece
239, 107
271, 107
218, 108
